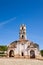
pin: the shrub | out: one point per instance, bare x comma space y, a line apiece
41, 52
3, 48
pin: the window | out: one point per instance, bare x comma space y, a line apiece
22, 28
22, 36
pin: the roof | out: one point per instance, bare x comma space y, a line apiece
20, 41
13, 44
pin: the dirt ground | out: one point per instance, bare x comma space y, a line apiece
12, 61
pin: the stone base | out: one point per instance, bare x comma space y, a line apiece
17, 56
26, 56
37, 56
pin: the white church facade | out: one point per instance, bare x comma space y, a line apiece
23, 48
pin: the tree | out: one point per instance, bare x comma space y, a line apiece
3, 48
41, 52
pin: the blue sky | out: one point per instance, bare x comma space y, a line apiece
16, 12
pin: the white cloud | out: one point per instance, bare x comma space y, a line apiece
5, 22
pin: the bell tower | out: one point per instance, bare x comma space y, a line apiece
22, 33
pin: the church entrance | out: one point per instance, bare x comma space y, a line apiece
32, 54
22, 54
11, 53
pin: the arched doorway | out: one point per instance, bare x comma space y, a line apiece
32, 54
22, 54
11, 53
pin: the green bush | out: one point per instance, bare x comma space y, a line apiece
41, 52
3, 48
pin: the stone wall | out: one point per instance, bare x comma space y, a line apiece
21, 49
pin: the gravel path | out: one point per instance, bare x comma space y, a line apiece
12, 61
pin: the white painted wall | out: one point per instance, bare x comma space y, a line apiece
21, 48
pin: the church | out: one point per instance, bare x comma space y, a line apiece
23, 48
